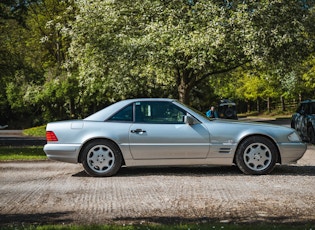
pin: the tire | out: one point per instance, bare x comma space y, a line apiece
311, 134
256, 155
101, 158
229, 113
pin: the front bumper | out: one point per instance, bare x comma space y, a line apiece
292, 152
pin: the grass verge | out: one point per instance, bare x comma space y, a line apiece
39, 131
10, 153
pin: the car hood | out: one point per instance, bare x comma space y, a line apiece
247, 124
221, 129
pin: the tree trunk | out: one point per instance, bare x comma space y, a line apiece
248, 107
183, 93
72, 107
282, 103
184, 86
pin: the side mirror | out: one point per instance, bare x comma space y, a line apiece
189, 120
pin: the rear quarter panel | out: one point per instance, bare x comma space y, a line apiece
81, 132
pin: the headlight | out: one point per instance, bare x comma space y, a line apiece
294, 137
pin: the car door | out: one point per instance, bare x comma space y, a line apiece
302, 121
159, 132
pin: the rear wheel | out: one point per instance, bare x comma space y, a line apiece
256, 155
101, 158
228, 112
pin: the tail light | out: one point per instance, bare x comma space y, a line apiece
51, 136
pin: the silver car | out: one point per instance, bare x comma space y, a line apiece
164, 132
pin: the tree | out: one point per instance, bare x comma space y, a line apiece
182, 43
308, 76
61, 59
33, 52
55, 93
13, 64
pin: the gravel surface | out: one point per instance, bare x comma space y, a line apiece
45, 192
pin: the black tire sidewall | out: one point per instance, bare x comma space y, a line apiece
239, 157
229, 113
117, 155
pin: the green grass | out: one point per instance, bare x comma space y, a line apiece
12, 153
22, 153
260, 226
39, 131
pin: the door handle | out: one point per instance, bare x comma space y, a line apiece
140, 131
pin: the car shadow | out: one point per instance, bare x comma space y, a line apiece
204, 171
294, 170
268, 221
165, 171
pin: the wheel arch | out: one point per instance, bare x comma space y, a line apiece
258, 135
99, 139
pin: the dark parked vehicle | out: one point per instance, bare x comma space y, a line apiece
303, 121
227, 109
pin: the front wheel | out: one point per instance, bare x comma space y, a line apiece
101, 158
256, 155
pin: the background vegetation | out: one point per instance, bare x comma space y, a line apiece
63, 59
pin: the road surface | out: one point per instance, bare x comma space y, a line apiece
48, 192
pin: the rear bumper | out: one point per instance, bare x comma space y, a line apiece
63, 152
292, 152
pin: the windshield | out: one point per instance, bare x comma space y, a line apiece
196, 111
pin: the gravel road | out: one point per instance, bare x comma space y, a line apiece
45, 192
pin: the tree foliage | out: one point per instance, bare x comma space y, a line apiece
34, 51
184, 43
64, 59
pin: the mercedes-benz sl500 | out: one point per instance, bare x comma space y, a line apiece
164, 132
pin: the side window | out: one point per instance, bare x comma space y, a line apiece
125, 114
302, 108
159, 113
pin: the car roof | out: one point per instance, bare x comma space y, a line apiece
227, 103
308, 101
